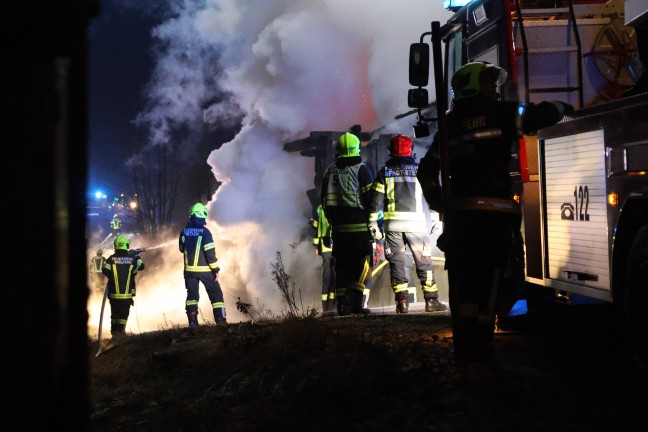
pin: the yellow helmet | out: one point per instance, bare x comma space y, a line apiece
348, 145
198, 210
121, 242
99, 252
465, 81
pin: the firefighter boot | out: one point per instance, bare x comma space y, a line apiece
340, 304
434, 305
329, 308
402, 302
219, 316
344, 305
352, 304
118, 331
357, 304
193, 318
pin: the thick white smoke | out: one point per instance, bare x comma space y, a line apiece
289, 68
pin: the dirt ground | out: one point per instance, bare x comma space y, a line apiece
382, 372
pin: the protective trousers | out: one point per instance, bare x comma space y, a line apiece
396, 245
328, 282
119, 311
353, 253
214, 292
475, 269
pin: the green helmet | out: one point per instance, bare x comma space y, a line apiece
199, 210
465, 81
348, 145
121, 242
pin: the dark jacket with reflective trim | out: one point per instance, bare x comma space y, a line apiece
482, 134
197, 245
397, 192
346, 189
120, 269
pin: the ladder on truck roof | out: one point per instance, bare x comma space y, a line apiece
537, 11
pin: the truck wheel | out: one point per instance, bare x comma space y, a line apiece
636, 297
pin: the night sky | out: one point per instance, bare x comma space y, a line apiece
119, 67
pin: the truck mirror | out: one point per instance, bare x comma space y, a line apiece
419, 64
417, 98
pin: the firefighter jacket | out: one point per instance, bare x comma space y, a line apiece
397, 193
482, 135
120, 269
115, 224
321, 232
197, 245
346, 189
96, 264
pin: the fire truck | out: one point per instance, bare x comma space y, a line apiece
582, 184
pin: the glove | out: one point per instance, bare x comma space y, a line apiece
132, 301
215, 273
375, 231
567, 108
442, 242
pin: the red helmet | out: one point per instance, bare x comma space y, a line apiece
400, 145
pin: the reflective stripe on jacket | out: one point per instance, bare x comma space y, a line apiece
322, 236
397, 193
346, 189
120, 269
197, 245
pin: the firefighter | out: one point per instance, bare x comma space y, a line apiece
115, 224
95, 269
201, 266
346, 186
324, 247
397, 193
121, 269
480, 215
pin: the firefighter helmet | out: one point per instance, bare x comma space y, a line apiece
115, 216
400, 145
199, 210
99, 252
121, 242
465, 81
348, 145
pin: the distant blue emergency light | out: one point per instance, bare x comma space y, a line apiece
454, 5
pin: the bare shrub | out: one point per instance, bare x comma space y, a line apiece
289, 293
294, 309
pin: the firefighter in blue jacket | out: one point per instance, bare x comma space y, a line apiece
397, 194
324, 247
481, 218
346, 186
121, 269
201, 265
